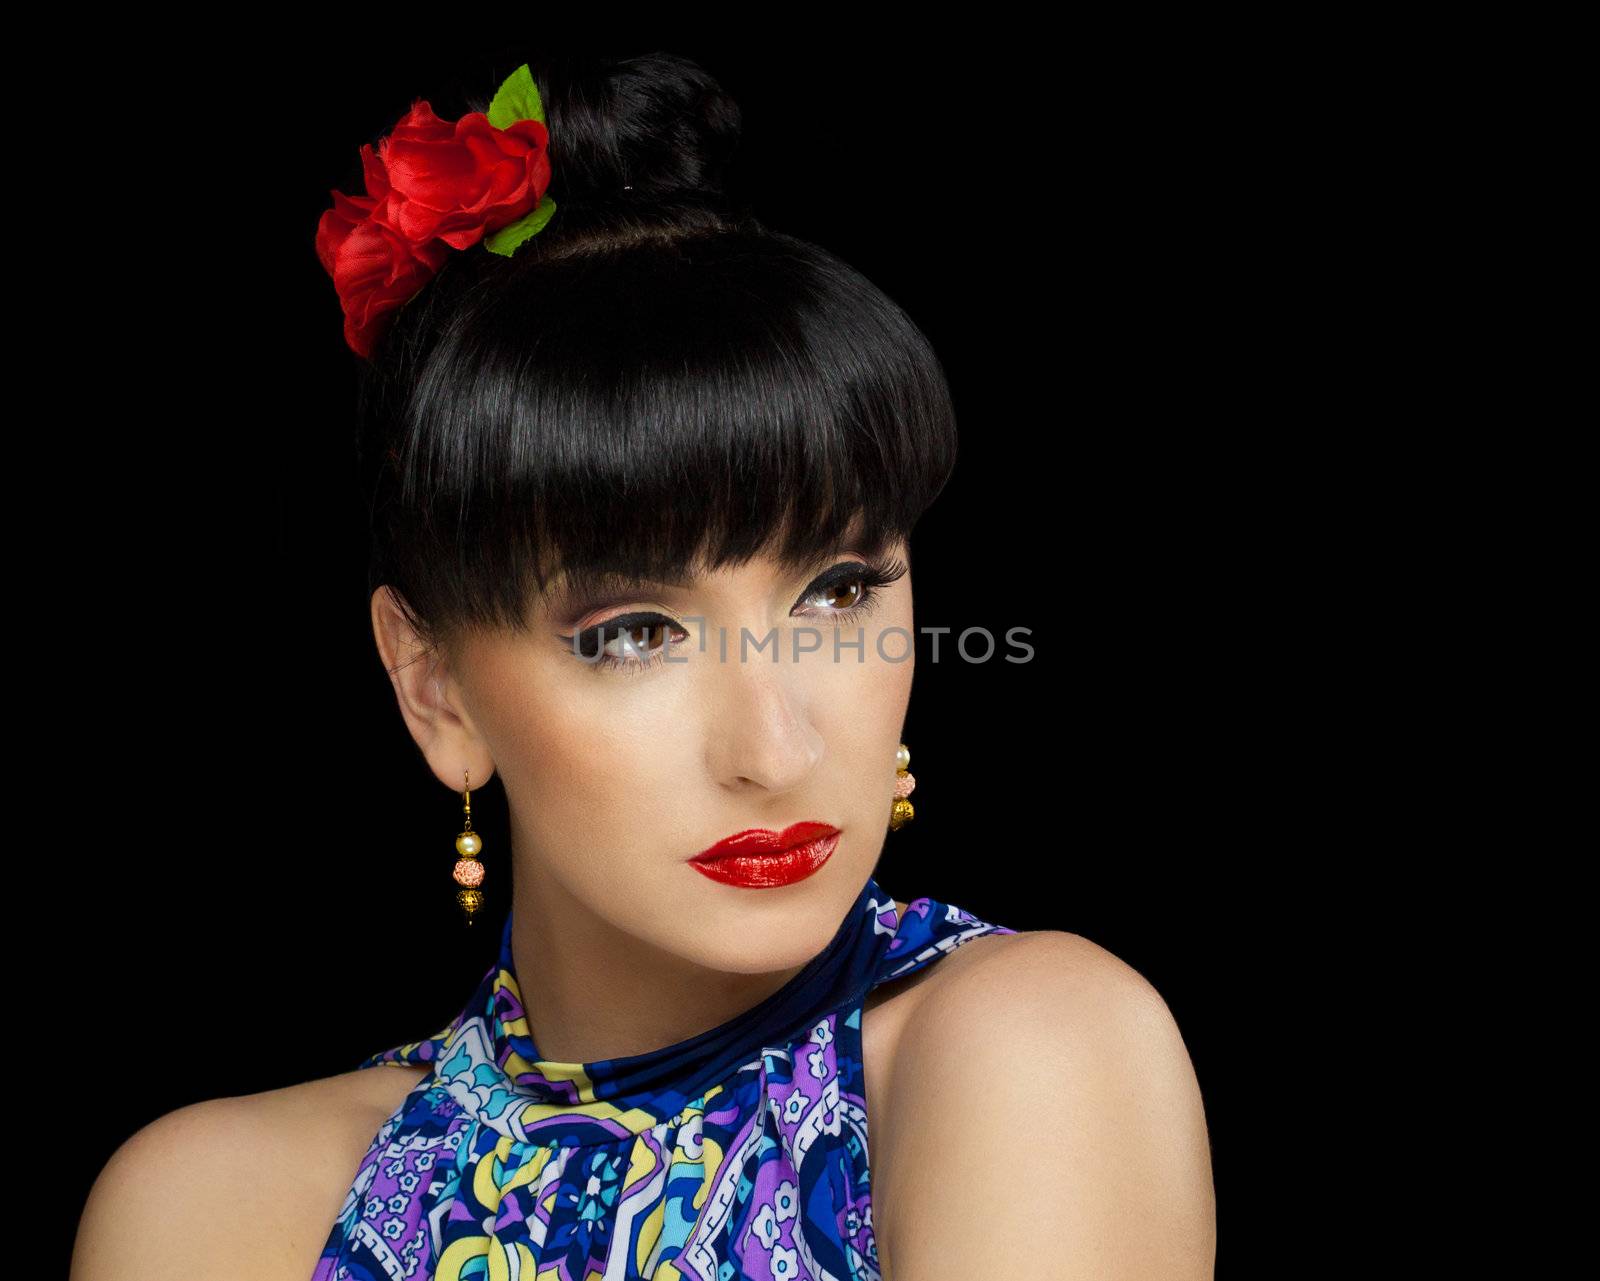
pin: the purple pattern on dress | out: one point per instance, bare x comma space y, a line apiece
739, 1153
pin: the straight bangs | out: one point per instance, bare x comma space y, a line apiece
643, 410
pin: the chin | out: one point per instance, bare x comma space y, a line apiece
756, 931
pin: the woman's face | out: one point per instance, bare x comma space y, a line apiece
745, 698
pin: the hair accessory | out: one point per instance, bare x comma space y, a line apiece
468, 870
904, 784
433, 186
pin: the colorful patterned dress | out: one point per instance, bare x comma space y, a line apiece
739, 1153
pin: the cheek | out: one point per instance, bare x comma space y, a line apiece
894, 668
892, 657
859, 707
589, 763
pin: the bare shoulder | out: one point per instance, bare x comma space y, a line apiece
1067, 1077
1049, 966
901, 997
259, 1178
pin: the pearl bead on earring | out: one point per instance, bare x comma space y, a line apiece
902, 813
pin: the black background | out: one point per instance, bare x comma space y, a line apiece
1094, 240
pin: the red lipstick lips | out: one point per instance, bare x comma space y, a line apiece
758, 858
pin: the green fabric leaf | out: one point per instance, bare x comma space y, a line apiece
506, 240
516, 99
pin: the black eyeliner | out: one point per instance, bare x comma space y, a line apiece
589, 642
874, 573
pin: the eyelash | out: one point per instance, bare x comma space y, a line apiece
872, 575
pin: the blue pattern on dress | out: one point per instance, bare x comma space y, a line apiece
739, 1153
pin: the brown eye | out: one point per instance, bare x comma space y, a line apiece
843, 594
636, 641
850, 588
630, 641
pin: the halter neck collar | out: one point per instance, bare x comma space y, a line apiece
488, 1058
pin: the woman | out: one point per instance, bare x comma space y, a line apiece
643, 475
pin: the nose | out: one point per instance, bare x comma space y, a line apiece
760, 733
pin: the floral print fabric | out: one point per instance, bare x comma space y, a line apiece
739, 1153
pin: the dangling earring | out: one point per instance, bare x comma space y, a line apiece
902, 813
469, 872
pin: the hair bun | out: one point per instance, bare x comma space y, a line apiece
627, 130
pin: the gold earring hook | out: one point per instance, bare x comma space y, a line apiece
468, 870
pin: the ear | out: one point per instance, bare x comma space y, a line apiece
429, 697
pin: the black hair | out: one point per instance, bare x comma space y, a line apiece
655, 383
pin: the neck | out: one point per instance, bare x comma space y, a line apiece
593, 990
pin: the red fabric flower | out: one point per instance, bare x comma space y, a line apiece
432, 186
